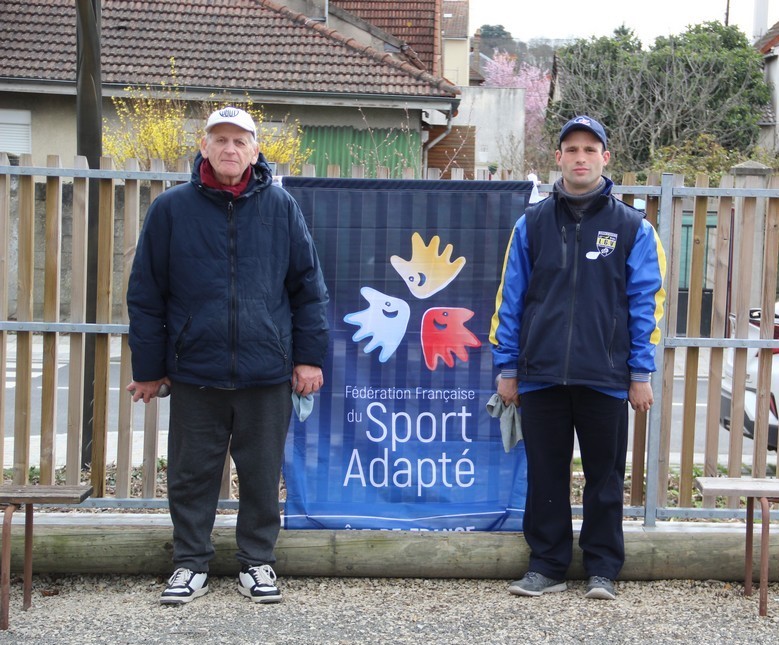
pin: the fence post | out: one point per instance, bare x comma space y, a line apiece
5, 240
78, 314
51, 311
124, 447
693, 329
151, 414
719, 315
639, 418
746, 264
673, 252
105, 266
24, 313
770, 254
653, 470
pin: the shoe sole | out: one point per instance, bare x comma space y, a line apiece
263, 600
600, 594
519, 591
183, 600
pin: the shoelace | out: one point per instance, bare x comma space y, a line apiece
180, 578
599, 580
263, 575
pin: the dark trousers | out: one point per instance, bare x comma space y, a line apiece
549, 418
204, 423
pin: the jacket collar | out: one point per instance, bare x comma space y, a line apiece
261, 178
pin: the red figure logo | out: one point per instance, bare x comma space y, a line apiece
445, 336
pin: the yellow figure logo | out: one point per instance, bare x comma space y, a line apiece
427, 272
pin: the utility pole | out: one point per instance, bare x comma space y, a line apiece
89, 135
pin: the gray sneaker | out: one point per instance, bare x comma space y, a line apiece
600, 588
534, 584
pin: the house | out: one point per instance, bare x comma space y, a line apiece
433, 35
768, 46
456, 42
348, 83
488, 127
476, 60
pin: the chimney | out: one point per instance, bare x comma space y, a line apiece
476, 47
760, 23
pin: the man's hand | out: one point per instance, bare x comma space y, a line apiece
640, 395
307, 379
508, 390
146, 390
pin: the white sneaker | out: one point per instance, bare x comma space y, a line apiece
184, 586
259, 584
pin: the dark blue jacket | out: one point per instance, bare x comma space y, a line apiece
580, 301
226, 292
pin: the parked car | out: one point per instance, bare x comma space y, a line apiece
750, 394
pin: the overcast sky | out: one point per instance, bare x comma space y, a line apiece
526, 19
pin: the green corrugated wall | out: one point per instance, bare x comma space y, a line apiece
346, 147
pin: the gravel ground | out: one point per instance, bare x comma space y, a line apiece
124, 609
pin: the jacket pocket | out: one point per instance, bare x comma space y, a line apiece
269, 332
612, 340
524, 343
181, 340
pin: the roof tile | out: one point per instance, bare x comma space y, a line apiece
253, 44
455, 19
412, 21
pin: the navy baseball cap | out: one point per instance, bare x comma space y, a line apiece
584, 123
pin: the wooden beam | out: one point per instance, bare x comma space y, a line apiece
141, 544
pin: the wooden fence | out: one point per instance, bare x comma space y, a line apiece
740, 259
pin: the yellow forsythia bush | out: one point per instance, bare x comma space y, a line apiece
155, 123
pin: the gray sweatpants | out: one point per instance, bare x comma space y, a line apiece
204, 423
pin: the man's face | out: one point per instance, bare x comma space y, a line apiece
581, 159
230, 150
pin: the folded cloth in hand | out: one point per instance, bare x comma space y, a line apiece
510, 421
303, 405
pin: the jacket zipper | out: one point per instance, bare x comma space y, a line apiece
232, 315
565, 247
572, 300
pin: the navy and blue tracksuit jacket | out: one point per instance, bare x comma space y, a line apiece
580, 300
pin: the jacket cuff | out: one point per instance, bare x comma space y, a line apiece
641, 377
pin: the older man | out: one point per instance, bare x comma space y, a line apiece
227, 306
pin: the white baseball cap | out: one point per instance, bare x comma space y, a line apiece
232, 115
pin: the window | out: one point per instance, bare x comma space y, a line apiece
15, 131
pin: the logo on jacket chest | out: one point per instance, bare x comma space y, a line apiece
606, 242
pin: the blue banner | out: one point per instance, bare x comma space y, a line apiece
400, 437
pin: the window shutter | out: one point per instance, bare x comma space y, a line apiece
15, 132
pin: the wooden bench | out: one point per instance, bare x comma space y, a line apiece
13, 497
767, 491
